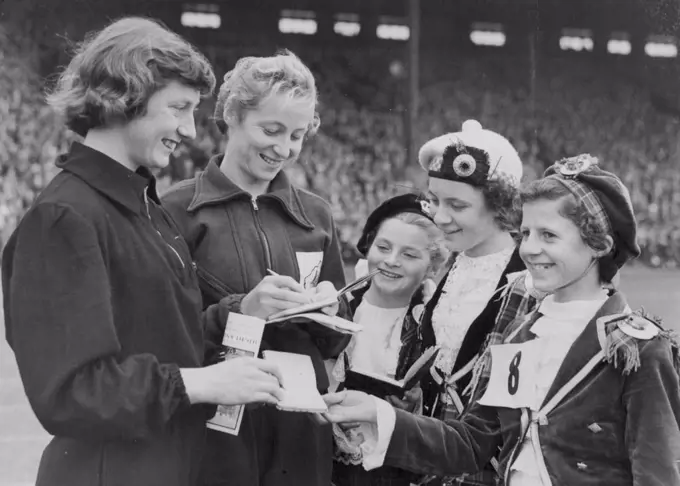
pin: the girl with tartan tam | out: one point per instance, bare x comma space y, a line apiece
401, 241
580, 391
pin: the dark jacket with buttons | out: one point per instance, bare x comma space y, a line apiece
613, 429
234, 239
102, 310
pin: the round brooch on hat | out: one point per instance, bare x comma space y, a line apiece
464, 165
573, 166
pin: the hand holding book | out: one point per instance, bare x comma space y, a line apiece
411, 401
382, 386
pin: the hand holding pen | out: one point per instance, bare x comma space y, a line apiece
273, 294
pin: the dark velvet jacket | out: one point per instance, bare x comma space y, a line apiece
234, 239
474, 338
612, 429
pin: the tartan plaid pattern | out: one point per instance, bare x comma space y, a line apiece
588, 197
517, 306
518, 303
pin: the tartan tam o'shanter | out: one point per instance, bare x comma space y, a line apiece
605, 197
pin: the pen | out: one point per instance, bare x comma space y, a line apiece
274, 274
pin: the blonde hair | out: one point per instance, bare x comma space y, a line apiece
255, 79
436, 247
115, 71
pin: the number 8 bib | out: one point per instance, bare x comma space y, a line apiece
512, 381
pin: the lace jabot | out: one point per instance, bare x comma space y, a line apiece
468, 288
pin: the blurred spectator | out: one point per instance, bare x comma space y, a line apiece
358, 159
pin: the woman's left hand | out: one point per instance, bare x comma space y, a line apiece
324, 290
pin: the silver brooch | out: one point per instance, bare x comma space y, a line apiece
424, 206
464, 165
573, 166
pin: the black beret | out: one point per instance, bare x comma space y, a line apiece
405, 203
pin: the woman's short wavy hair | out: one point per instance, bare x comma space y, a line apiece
254, 79
115, 71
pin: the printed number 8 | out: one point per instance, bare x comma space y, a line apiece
513, 377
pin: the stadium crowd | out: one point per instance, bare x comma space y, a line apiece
358, 159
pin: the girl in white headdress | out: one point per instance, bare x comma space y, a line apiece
473, 189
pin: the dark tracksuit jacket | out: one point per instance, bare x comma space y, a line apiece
234, 238
102, 309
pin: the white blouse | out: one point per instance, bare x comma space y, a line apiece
468, 288
376, 348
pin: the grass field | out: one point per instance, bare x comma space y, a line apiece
22, 439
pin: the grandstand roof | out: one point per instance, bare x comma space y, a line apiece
650, 16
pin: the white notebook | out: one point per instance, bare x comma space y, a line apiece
299, 381
336, 323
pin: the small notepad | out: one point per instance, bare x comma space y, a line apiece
338, 324
320, 304
299, 380
382, 386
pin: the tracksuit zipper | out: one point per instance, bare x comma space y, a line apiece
260, 232
212, 281
148, 214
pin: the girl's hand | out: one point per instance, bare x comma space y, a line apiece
412, 400
350, 406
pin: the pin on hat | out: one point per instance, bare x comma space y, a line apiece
474, 155
405, 203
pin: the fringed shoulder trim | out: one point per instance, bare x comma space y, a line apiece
622, 334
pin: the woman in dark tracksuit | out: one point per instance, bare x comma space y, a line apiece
102, 306
242, 218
